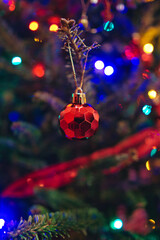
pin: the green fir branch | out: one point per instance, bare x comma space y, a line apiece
54, 225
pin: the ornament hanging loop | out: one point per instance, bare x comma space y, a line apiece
78, 89
78, 97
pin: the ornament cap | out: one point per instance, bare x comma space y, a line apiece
79, 97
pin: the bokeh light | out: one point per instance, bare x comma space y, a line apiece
147, 109
99, 65
152, 223
109, 70
148, 166
54, 20
94, 1
120, 7
148, 48
116, 224
12, 7
38, 40
152, 94
53, 28
16, 60
14, 116
33, 26
108, 26
2, 222
38, 70
135, 61
6, 1
153, 151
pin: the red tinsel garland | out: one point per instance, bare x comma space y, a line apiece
59, 175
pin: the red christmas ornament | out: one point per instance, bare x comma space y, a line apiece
79, 120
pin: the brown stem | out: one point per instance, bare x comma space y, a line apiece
78, 55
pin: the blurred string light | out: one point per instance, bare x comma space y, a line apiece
11, 4
153, 151
16, 60
135, 61
148, 48
53, 28
109, 70
38, 70
33, 26
131, 52
2, 222
13, 116
99, 65
148, 166
38, 40
147, 109
152, 222
152, 94
94, 1
108, 26
120, 7
116, 224
147, 58
12, 7
6, 1
54, 20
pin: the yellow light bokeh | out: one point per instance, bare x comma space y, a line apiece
37, 40
33, 26
148, 48
152, 94
148, 166
53, 28
152, 221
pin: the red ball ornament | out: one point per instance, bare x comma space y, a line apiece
79, 120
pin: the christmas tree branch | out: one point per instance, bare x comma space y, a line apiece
58, 224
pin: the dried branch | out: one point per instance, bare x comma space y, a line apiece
70, 35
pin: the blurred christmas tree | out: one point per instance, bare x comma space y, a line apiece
106, 187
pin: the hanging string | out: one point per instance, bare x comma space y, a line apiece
84, 68
85, 6
72, 63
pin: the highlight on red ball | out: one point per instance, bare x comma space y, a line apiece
33, 26
38, 70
